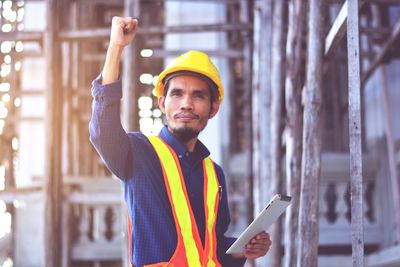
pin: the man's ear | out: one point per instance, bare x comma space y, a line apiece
161, 104
214, 109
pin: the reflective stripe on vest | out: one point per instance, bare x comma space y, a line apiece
189, 250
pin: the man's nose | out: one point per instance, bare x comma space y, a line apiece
187, 103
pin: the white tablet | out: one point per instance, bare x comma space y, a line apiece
261, 223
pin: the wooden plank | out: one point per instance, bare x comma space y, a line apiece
205, 1
160, 53
293, 86
160, 1
104, 33
261, 105
97, 252
24, 36
278, 64
386, 257
130, 74
66, 233
130, 96
338, 29
382, 53
356, 178
25, 195
101, 198
52, 177
334, 261
121, 2
28, 92
390, 145
312, 138
227, 53
87, 179
243, 12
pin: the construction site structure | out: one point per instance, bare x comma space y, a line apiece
311, 98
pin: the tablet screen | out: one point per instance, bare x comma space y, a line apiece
261, 223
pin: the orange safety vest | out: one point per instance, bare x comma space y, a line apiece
189, 250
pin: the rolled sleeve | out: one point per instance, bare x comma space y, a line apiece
106, 93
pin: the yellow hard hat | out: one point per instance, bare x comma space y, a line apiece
193, 61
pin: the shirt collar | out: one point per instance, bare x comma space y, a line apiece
200, 150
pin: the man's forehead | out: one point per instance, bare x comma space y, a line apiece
188, 80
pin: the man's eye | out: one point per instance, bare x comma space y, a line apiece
175, 93
200, 96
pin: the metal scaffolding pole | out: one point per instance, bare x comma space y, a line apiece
394, 177
129, 103
355, 142
276, 121
293, 85
52, 179
312, 135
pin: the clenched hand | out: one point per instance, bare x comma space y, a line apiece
123, 30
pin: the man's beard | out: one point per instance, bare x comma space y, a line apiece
185, 134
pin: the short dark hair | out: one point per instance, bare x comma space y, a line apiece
214, 94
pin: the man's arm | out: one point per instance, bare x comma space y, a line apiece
106, 132
123, 31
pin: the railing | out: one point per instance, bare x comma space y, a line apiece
93, 217
335, 209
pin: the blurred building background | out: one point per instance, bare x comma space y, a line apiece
60, 206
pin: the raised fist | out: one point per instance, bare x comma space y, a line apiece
123, 30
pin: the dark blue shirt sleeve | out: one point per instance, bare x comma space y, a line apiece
105, 129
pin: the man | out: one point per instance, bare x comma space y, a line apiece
176, 196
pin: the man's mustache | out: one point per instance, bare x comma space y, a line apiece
186, 114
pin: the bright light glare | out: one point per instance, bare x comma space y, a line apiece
146, 52
17, 102
7, 4
20, 27
8, 263
157, 126
145, 113
146, 125
3, 207
5, 70
1, 132
18, 65
19, 46
3, 111
157, 113
4, 87
5, 225
7, 59
145, 102
6, 47
2, 174
16, 204
155, 80
10, 15
6, 27
15, 143
146, 78
6, 98
20, 14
